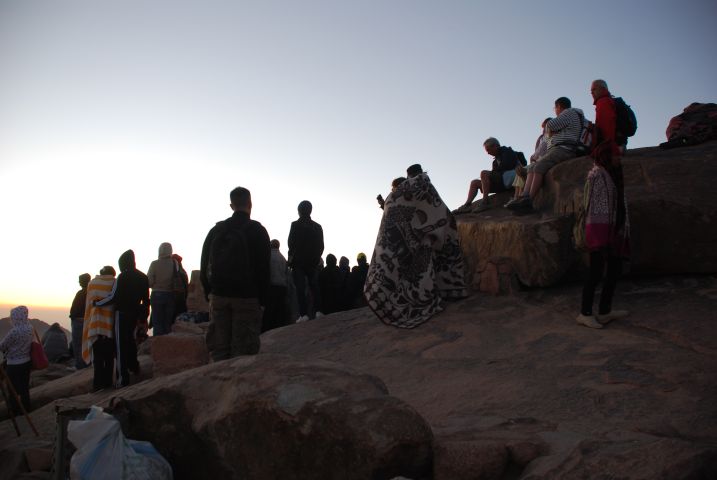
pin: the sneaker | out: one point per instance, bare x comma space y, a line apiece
302, 318
465, 208
588, 321
521, 202
511, 202
319, 314
614, 315
482, 208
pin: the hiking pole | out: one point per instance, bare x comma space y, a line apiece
6, 381
9, 410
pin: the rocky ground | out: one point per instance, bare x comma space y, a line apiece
509, 386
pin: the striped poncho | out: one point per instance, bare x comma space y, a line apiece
98, 320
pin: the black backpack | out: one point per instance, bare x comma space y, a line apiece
626, 121
229, 265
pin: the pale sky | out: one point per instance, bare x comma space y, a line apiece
125, 124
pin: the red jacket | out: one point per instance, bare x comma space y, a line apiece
605, 121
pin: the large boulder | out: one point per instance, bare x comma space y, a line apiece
672, 206
268, 416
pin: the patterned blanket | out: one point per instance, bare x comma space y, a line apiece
417, 260
601, 215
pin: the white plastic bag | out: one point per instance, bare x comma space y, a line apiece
104, 452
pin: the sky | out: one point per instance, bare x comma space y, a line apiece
126, 124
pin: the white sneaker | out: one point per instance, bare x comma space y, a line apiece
588, 321
319, 314
302, 318
614, 315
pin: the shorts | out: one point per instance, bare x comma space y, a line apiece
496, 182
552, 157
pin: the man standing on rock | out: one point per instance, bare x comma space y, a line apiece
235, 276
306, 244
605, 116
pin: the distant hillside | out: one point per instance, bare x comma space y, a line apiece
40, 326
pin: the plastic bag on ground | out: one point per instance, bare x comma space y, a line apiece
104, 452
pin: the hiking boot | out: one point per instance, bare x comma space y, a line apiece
588, 321
319, 314
511, 202
614, 315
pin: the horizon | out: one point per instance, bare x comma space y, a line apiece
127, 125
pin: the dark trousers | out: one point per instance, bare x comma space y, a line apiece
126, 346
162, 317
597, 267
302, 278
19, 376
103, 353
275, 312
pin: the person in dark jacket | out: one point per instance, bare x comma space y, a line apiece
180, 285
235, 275
77, 319
130, 296
357, 279
306, 244
494, 180
330, 285
344, 291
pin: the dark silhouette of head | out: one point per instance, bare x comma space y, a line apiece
344, 262
330, 260
414, 170
305, 209
241, 199
563, 102
275, 244
361, 259
108, 270
85, 280
126, 261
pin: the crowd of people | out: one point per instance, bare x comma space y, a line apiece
416, 266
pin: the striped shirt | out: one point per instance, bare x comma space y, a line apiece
98, 320
564, 130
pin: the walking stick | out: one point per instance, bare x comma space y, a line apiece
6, 380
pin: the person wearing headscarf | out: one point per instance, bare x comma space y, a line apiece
607, 234
77, 318
161, 281
98, 345
417, 262
16, 348
54, 342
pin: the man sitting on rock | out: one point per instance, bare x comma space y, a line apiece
563, 136
498, 179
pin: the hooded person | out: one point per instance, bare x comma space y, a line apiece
130, 297
330, 284
54, 342
161, 281
98, 329
77, 317
417, 261
357, 279
16, 348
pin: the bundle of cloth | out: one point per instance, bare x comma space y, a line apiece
417, 262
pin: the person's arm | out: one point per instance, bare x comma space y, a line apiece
558, 123
109, 299
204, 262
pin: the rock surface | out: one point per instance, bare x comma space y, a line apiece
672, 205
510, 386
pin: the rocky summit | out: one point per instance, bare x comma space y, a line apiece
497, 386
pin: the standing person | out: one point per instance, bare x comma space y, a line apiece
417, 262
606, 117
16, 348
98, 331
235, 276
330, 285
344, 291
357, 279
77, 319
161, 278
276, 312
130, 297
306, 244
180, 286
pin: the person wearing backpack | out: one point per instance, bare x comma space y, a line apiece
614, 119
235, 276
498, 179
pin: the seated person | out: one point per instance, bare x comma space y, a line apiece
54, 342
563, 133
499, 178
541, 146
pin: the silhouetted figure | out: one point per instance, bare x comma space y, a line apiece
330, 284
180, 286
130, 296
306, 244
161, 281
98, 345
54, 342
77, 319
344, 291
16, 348
357, 279
276, 313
